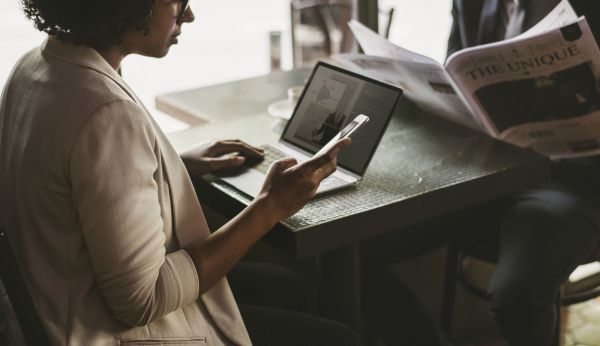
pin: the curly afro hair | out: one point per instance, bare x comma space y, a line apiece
94, 23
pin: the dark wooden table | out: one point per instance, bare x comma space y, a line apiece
424, 167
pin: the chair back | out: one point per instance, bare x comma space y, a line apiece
29, 320
320, 29
386, 18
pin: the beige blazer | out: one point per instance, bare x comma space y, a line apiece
98, 205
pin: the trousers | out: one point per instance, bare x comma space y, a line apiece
544, 234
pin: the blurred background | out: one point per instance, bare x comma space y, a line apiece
229, 40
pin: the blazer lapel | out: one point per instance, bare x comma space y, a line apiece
189, 221
468, 14
488, 22
190, 225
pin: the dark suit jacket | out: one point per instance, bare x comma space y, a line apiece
475, 20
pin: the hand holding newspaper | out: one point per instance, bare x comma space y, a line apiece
539, 90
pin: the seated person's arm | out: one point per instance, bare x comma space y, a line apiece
112, 170
288, 187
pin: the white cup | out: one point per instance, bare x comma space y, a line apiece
294, 93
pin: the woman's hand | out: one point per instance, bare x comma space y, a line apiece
214, 156
289, 185
287, 188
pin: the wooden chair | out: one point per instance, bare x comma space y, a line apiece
320, 29
386, 18
28, 319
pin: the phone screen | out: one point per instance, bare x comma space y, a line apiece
347, 131
348, 128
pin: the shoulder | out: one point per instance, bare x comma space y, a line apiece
73, 87
67, 89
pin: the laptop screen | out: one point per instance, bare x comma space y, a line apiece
332, 98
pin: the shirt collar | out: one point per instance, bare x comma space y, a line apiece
85, 57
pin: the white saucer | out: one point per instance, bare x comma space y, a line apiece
282, 109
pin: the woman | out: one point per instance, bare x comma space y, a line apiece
99, 207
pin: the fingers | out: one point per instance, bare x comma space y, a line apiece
339, 145
282, 164
319, 168
326, 163
278, 167
330, 154
230, 146
219, 163
326, 170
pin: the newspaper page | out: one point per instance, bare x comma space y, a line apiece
376, 45
538, 92
424, 81
427, 86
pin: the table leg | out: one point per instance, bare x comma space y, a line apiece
339, 285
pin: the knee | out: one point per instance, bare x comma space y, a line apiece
553, 211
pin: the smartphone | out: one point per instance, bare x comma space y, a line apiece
347, 131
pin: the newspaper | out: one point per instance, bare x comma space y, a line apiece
539, 90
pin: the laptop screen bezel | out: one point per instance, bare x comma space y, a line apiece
356, 75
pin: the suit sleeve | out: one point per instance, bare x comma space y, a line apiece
112, 169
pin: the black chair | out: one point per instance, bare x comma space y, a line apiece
29, 321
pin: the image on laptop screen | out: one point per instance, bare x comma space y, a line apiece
333, 98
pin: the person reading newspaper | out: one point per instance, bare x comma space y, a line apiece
545, 232
538, 90
497, 88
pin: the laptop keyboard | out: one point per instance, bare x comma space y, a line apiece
331, 181
273, 154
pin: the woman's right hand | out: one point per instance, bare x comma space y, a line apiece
289, 185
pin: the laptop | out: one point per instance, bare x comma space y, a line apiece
332, 98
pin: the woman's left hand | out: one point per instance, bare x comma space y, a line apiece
214, 156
